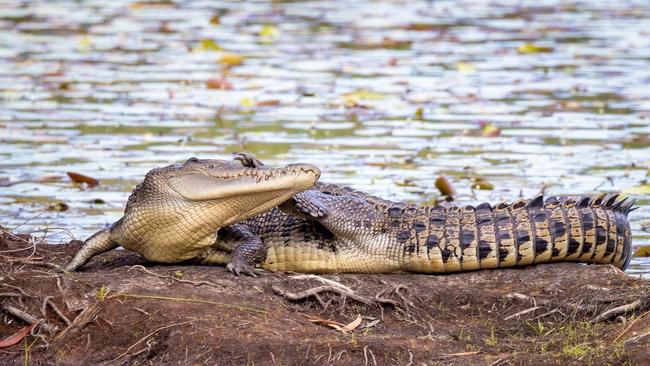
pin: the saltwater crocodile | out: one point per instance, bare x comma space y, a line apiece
330, 228
175, 213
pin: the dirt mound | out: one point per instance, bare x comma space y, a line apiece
123, 310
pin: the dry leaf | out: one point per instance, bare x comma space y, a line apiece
80, 178
465, 67
482, 184
643, 251
231, 59
445, 188
209, 45
529, 48
327, 322
490, 130
642, 189
221, 84
352, 325
268, 103
16, 337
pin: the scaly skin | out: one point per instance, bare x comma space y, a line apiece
361, 233
175, 213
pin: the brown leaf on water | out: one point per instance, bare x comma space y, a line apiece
59, 206
16, 337
80, 178
221, 84
643, 251
482, 184
268, 103
444, 186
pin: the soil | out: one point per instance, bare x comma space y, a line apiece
124, 310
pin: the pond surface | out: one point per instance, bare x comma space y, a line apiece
384, 96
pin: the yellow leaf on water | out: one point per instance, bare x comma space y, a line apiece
419, 113
231, 59
465, 67
248, 102
208, 45
530, 48
215, 20
642, 189
354, 98
490, 130
269, 31
85, 43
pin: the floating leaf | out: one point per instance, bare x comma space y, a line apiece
80, 178
269, 33
248, 102
208, 45
642, 189
482, 184
490, 130
354, 98
215, 19
419, 113
17, 337
268, 103
445, 188
530, 48
643, 251
231, 59
465, 67
59, 206
221, 84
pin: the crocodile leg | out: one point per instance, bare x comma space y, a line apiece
99, 243
246, 255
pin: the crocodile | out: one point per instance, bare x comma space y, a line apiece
177, 210
327, 228
361, 233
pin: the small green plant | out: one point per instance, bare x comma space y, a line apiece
491, 340
538, 328
102, 292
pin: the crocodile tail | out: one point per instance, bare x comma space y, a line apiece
555, 229
98, 243
584, 229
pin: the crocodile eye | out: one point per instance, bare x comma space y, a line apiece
192, 159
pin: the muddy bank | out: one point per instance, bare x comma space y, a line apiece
122, 310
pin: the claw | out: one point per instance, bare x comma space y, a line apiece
241, 268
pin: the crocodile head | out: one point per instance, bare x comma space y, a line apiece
230, 192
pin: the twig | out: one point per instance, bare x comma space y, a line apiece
365, 355
194, 283
200, 301
628, 328
633, 339
323, 280
523, 312
471, 353
317, 290
142, 339
26, 317
48, 301
554, 311
617, 311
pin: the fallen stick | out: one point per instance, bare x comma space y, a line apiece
617, 311
27, 318
295, 296
523, 312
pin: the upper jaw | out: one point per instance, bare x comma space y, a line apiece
200, 180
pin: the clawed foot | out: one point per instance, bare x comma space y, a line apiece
248, 160
238, 268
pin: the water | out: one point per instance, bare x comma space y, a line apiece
381, 95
